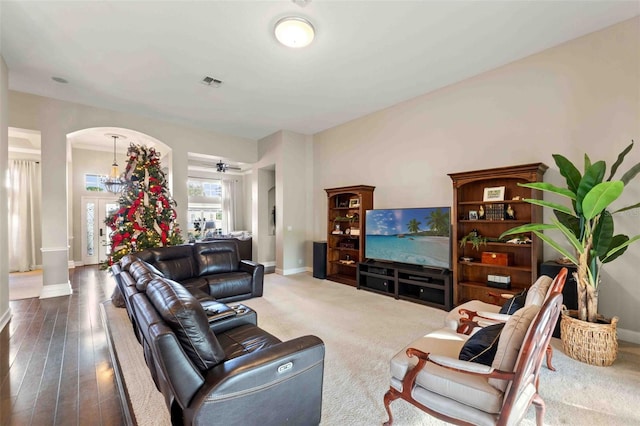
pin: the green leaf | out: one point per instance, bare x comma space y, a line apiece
619, 161
616, 241
600, 197
570, 221
620, 247
602, 234
549, 204
592, 177
530, 227
564, 252
569, 171
626, 178
587, 162
635, 206
568, 234
547, 187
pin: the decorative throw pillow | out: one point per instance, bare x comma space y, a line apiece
482, 346
538, 291
510, 342
515, 303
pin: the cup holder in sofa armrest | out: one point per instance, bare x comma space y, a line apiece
217, 311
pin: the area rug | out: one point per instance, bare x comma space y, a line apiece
24, 285
362, 331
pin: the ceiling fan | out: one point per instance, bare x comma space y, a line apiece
223, 167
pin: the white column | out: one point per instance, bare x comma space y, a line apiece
55, 246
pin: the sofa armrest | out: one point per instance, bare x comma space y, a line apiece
271, 377
256, 270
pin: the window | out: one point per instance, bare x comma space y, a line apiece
205, 208
94, 182
205, 188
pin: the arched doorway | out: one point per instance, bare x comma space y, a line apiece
91, 155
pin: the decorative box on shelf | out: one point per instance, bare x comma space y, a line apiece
499, 281
494, 258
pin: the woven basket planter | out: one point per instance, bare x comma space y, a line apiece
588, 342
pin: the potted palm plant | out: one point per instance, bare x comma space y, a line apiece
587, 225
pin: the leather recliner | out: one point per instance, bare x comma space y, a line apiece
236, 376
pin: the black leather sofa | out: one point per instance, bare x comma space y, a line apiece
222, 372
207, 269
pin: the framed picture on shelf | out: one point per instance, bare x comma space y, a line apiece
473, 215
354, 202
495, 193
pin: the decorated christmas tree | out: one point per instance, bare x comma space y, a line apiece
147, 216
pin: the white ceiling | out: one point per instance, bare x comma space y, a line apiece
148, 57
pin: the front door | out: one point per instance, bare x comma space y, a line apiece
96, 242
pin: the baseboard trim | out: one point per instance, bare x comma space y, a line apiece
71, 264
629, 336
6, 317
293, 271
56, 290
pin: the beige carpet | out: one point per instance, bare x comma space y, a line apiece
362, 331
24, 285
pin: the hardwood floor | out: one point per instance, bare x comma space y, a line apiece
55, 367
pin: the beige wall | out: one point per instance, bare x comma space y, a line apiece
289, 154
583, 96
5, 312
56, 119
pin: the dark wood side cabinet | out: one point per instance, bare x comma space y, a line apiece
490, 219
427, 286
346, 208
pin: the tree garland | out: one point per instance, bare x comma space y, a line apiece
147, 216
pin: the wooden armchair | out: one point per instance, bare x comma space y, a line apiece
473, 315
429, 375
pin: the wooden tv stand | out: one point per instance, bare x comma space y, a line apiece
428, 286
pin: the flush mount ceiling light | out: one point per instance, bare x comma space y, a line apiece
294, 31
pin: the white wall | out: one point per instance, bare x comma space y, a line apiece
5, 312
583, 96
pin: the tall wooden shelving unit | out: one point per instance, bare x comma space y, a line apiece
346, 230
470, 277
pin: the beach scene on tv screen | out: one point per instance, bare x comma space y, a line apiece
417, 236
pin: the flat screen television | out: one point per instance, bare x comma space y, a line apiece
416, 236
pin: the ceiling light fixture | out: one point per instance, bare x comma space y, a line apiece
293, 31
114, 183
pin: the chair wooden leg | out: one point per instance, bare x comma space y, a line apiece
389, 397
549, 357
540, 409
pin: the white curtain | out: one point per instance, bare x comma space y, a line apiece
24, 214
231, 196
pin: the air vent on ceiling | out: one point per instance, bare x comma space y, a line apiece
210, 81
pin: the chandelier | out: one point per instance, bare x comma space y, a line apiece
114, 183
